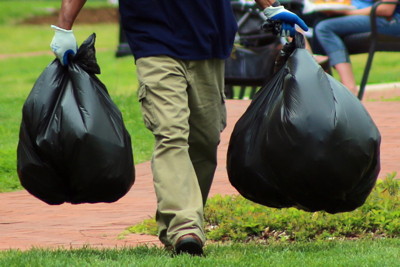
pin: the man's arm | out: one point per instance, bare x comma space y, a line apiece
64, 43
68, 13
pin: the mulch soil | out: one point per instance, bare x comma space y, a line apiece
86, 16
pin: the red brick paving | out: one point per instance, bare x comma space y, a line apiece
27, 222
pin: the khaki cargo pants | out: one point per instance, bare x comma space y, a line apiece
183, 105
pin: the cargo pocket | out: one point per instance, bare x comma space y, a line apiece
147, 106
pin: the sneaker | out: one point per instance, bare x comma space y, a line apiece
190, 244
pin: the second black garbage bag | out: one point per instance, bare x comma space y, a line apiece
305, 141
73, 144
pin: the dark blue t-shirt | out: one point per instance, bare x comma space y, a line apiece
184, 29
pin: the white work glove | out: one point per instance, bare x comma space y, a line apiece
63, 44
287, 18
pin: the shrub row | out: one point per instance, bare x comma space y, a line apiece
233, 218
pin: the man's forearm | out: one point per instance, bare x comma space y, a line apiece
265, 3
68, 13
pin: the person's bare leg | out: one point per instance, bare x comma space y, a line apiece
346, 74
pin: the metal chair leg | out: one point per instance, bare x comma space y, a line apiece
229, 91
366, 71
253, 91
242, 91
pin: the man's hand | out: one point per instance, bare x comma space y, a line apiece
287, 18
63, 44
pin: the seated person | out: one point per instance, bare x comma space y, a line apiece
329, 33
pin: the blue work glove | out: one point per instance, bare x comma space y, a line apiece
287, 18
63, 44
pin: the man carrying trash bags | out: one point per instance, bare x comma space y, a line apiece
179, 49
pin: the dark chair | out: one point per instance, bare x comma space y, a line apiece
371, 42
252, 60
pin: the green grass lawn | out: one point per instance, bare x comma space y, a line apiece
363, 253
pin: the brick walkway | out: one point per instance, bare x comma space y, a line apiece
26, 222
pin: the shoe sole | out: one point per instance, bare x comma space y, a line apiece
189, 246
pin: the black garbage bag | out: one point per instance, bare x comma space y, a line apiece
73, 144
305, 141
